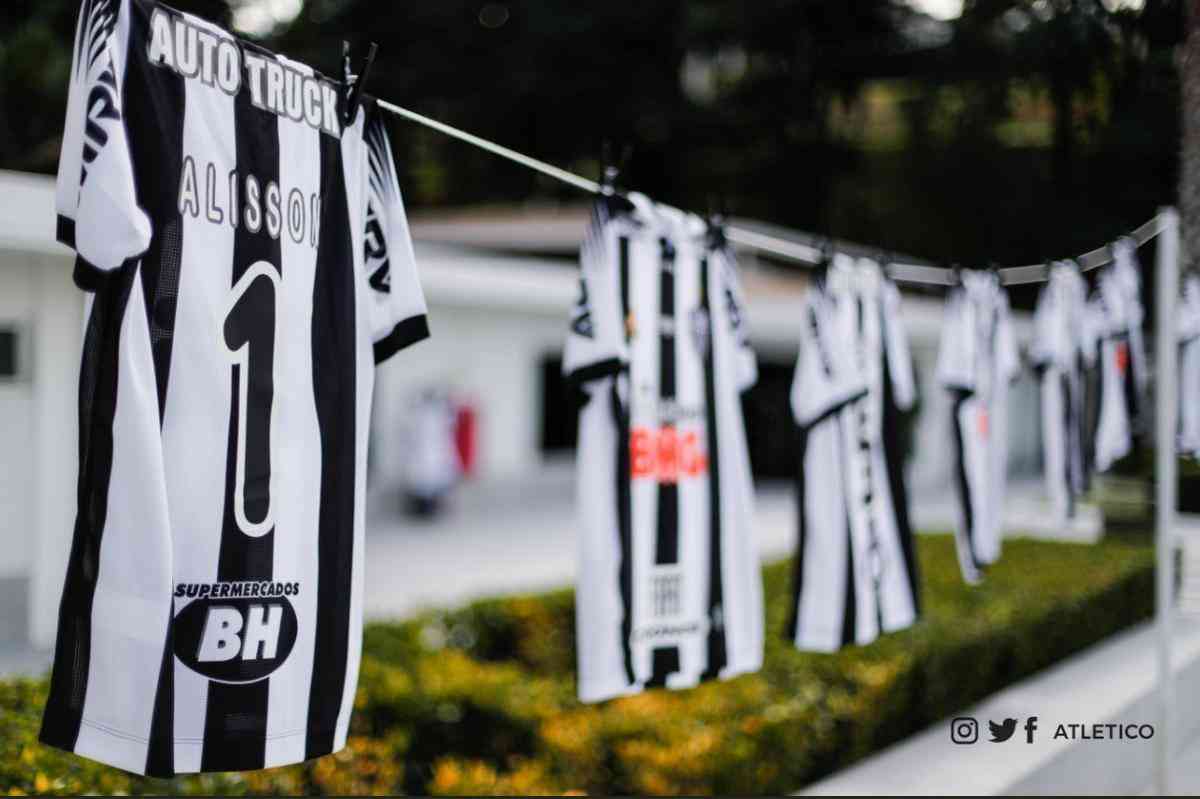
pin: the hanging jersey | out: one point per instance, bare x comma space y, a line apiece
669, 589
1189, 367
855, 573
1117, 317
977, 361
248, 263
1063, 348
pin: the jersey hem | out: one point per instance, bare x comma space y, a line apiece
841, 402
65, 231
591, 693
595, 371
128, 752
405, 334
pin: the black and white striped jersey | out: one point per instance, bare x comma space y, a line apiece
1116, 324
977, 361
247, 262
669, 589
1188, 314
1063, 349
855, 573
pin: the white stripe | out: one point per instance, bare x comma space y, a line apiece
196, 418
296, 446
354, 155
129, 613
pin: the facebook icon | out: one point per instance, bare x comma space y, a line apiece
1030, 727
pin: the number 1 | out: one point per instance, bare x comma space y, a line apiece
248, 341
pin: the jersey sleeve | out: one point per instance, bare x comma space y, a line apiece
398, 313
96, 198
899, 358
1044, 333
826, 378
745, 368
1007, 355
596, 345
955, 362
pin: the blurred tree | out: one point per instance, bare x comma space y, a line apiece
1023, 129
35, 64
1189, 187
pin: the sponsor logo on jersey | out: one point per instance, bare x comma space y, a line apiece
672, 631
375, 243
235, 632
1122, 358
102, 102
666, 454
216, 59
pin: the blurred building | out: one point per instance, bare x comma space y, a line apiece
499, 284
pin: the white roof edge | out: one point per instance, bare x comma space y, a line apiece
27, 224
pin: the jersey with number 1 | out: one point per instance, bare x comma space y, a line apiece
247, 263
669, 589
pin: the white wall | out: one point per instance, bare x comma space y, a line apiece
16, 423
493, 319
38, 430
56, 346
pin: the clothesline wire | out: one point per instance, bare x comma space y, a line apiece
903, 271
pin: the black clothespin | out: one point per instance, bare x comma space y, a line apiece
886, 259
716, 223
610, 173
821, 270
355, 83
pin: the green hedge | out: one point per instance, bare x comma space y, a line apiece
481, 699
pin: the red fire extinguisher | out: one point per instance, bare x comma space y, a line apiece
465, 436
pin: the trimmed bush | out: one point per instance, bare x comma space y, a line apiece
481, 700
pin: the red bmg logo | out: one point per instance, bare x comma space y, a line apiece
666, 454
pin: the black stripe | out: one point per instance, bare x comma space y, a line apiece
624, 531
334, 378
623, 476
65, 231
666, 548
718, 644
595, 371
156, 151
850, 598
1129, 381
405, 334
960, 478
1071, 442
97, 408
160, 752
235, 724
664, 661
793, 625
834, 408
893, 456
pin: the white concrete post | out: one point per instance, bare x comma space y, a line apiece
1166, 416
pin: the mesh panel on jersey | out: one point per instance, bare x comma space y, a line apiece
167, 290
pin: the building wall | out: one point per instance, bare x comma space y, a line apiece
16, 422
37, 441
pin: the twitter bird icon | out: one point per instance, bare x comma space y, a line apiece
1002, 732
